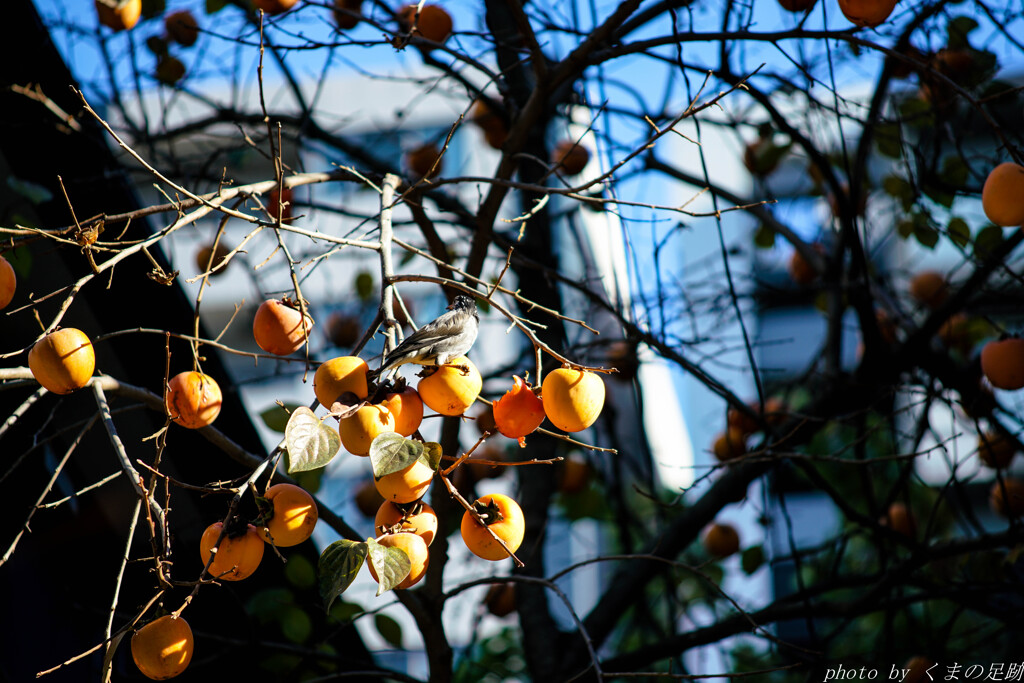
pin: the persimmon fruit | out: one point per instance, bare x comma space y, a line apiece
867, 13
63, 361
343, 330
415, 518
1002, 363
293, 518
275, 6
518, 412
406, 485
407, 408
797, 5
119, 15
368, 498
280, 328
1001, 195
1009, 501
8, 283
721, 540
237, 557
800, 269
163, 648
358, 431
730, 444
275, 204
490, 122
504, 517
193, 399
996, 450
929, 288
424, 161
208, 258
572, 398
900, 519
570, 157
501, 599
448, 390
169, 70
415, 548
344, 20
338, 376
182, 27
434, 23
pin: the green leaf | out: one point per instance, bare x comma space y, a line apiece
954, 171
214, 6
364, 285
432, 455
752, 559
905, 228
389, 629
345, 612
959, 232
338, 566
887, 139
300, 572
311, 443
764, 237
899, 188
957, 31
926, 235
391, 452
153, 8
276, 416
987, 240
391, 564
296, 625
20, 259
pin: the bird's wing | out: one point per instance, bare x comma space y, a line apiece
443, 327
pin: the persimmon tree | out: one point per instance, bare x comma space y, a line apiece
856, 166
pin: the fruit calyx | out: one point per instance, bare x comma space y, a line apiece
489, 512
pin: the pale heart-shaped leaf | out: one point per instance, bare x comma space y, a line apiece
339, 564
391, 452
310, 443
391, 564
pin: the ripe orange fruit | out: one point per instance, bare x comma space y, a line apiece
570, 157
1001, 195
8, 283
236, 558
1002, 362
182, 27
504, 517
800, 269
343, 330
741, 422
996, 450
119, 15
407, 485
407, 408
204, 255
900, 519
721, 540
449, 392
797, 5
63, 361
358, 431
294, 516
501, 599
343, 20
490, 122
730, 444
929, 288
519, 412
279, 328
418, 554
955, 332
339, 375
416, 518
275, 6
867, 13
193, 399
169, 70
485, 420
162, 648
572, 399
434, 23
1010, 502
576, 474
421, 161
274, 204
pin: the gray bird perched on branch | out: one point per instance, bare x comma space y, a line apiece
449, 336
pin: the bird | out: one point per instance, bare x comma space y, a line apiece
448, 336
